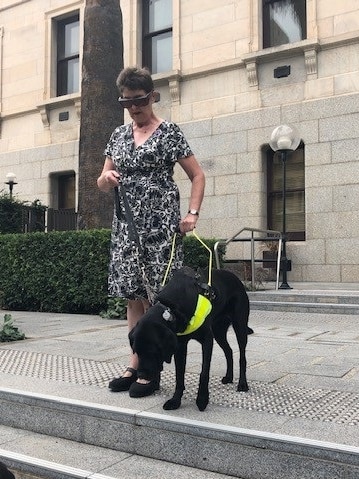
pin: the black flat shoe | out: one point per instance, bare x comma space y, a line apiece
140, 390
123, 383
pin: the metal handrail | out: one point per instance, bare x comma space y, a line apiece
275, 235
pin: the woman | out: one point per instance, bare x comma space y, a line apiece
141, 155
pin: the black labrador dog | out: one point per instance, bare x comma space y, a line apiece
161, 332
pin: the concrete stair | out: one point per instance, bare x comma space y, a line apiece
170, 446
328, 302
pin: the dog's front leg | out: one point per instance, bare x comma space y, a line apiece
180, 358
203, 391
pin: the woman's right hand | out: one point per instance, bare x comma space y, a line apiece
111, 178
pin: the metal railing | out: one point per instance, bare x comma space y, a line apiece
271, 235
48, 219
61, 220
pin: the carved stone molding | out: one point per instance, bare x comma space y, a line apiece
174, 87
78, 108
59, 102
44, 112
252, 75
311, 63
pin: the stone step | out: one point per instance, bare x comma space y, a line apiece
54, 458
318, 302
204, 446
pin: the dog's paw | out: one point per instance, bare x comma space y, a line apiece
227, 380
243, 386
172, 404
202, 402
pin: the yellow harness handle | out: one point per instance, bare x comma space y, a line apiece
210, 257
204, 306
172, 254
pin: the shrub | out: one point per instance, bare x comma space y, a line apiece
10, 214
58, 271
67, 271
9, 332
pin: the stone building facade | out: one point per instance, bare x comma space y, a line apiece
237, 70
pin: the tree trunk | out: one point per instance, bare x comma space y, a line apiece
100, 111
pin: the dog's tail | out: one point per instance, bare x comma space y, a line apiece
249, 330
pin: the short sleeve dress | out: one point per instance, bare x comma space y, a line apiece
147, 174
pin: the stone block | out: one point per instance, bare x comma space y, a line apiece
197, 129
342, 251
318, 199
282, 94
350, 273
319, 88
346, 83
346, 197
221, 207
346, 21
333, 225
317, 153
331, 273
306, 252
345, 150
339, 128
335, 174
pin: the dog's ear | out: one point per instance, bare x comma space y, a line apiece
152, 336
170, 346
167, 343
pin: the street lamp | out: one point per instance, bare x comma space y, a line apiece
284, 138
11, 177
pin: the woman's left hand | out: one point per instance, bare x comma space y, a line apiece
188, 223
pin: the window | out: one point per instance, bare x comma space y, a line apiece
295, 193
284, 21
157, 35
66, 197
63, 190
68, 55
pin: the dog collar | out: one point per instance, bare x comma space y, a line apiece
203, 309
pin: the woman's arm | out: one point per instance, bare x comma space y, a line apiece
196, 175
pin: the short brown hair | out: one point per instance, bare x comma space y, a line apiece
135, 78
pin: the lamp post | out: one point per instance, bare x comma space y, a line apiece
284, 138
11, 177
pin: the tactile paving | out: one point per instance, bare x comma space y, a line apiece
315, 404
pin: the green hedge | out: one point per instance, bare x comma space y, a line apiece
65, 271
10, 214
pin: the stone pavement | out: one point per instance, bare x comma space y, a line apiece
303, 373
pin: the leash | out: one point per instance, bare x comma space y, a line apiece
204, 304
133, 234
210, 262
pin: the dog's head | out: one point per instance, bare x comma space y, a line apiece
154, 341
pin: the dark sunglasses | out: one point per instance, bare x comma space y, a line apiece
139, 101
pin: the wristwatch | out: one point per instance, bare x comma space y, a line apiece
193, 212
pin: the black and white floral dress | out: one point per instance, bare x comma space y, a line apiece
147, 174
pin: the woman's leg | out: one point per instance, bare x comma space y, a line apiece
136, 308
